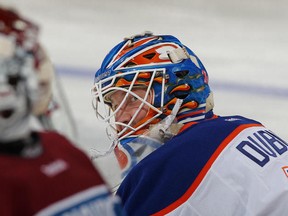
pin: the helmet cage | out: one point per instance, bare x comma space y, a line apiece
126, 82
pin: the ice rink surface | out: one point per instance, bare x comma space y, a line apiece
243, 45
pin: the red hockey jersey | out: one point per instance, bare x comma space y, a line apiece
60, 181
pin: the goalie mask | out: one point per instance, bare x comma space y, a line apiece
154, 73
18, 82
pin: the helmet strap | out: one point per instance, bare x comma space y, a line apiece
209, 102
166, 129
177, 55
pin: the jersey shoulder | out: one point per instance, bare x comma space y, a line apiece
177, 164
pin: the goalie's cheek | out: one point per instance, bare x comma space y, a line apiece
128, 114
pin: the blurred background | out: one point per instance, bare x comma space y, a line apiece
243, 45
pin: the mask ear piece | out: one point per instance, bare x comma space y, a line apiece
210, 102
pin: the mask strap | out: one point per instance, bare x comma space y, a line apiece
97, 154
164, 127
178, 55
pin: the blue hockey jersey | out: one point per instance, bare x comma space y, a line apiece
222, 166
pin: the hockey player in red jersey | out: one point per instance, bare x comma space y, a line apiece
177, 157
52, 110
41, 173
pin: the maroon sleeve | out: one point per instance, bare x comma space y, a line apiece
29, 185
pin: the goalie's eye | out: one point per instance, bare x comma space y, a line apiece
129, 101
133, 99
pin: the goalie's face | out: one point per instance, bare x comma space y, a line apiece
126, 101
14, 105
129, 108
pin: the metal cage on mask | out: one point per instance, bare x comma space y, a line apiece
127, 82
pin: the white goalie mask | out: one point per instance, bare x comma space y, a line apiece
18, 82
17, 93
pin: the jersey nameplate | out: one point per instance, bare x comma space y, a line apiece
262, 146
